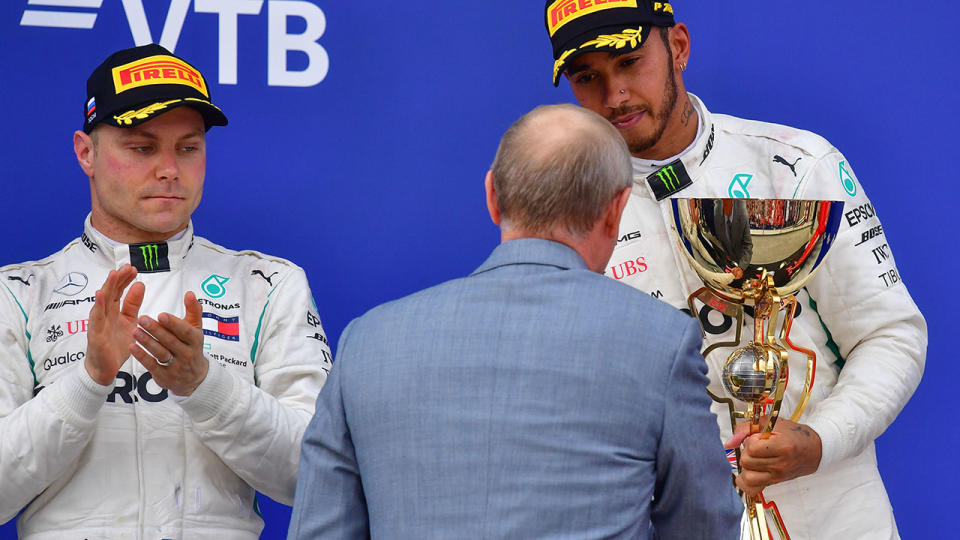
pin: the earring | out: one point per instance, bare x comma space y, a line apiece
683, 66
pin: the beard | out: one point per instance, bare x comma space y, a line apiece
638, 143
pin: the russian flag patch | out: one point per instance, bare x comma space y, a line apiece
91, 106
227, 328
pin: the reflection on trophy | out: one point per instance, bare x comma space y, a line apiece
757, 252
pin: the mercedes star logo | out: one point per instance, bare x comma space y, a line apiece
72, 284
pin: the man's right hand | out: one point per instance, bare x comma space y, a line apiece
112, 325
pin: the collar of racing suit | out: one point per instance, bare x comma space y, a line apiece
146, 258
693, 157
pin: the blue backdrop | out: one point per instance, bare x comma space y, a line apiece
360, 133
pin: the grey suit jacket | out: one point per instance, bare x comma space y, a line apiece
532, 399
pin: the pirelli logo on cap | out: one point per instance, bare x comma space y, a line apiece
160, 69
563, 11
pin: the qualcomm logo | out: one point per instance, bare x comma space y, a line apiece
82, 14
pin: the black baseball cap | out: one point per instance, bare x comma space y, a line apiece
135, 85
580, 26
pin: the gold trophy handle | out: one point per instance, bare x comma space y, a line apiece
704, 295
791, 304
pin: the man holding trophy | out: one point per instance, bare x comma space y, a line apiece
850, 334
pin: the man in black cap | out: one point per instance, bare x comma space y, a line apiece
624, 59
158, 413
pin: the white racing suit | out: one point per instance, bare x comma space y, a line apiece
130, 460
855, 313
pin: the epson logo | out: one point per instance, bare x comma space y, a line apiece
860, 213
82, 14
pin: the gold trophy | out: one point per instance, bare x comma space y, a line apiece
757, 252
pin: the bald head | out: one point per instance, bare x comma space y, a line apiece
558, 168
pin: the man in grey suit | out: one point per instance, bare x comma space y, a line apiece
532, 399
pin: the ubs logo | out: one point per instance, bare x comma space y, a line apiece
628, 268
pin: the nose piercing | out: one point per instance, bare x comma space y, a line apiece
622, 91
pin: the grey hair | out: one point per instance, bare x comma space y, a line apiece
559, 166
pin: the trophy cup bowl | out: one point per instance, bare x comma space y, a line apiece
787, 238
757, 252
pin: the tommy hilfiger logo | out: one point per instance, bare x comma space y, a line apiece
227, 328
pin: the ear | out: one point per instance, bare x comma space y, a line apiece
611, 220
492, 206
83, 148
679, 37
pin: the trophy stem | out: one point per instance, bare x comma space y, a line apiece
761, 514
757, 519
769, 359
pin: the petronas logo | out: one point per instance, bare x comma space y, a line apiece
151, 257
213, 286
846, 179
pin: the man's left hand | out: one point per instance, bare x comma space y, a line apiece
791, 451
171, 348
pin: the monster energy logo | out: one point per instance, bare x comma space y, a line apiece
151, 259
669, 178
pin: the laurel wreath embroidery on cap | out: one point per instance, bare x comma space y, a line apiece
559, 63
141, 114
205, 102
617, 41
